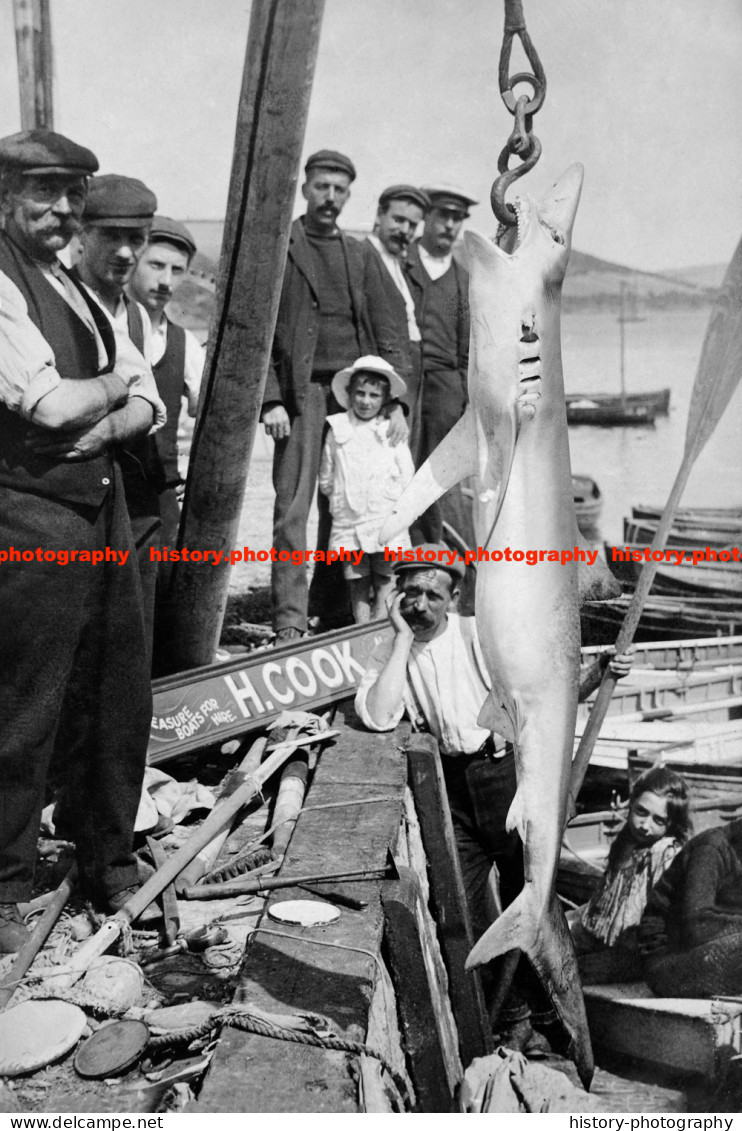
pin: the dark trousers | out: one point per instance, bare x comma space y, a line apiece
710, 969
480, 792
295, 470
147, 533
73, 672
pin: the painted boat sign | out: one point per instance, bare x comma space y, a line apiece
211, 704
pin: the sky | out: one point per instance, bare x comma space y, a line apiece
645, 93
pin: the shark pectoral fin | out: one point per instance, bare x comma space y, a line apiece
546, 940
495, 716
595, 582
453, 459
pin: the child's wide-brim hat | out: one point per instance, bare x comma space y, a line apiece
368, 364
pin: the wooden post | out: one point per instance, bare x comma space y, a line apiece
271, 120
33, 43
418, 1000
447, 890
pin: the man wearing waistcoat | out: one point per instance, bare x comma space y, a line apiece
440, 287
116, 223
333, 310
400, 212
72, 645
177, 355
177, 363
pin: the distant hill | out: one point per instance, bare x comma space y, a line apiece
591, 283
711, 275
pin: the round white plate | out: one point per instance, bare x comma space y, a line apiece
35, 1033
305, 912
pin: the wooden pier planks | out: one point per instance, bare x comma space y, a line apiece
252, 1073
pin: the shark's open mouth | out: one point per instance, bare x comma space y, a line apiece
509, 239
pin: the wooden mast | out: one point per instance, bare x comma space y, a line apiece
271, 120
622, 332
33, 43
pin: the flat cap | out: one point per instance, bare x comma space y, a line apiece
119, 202
433, 555
331, 159
172, 231
448, 196
405, 192
44, 152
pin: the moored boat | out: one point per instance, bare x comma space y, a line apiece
717, 578
705, 518
589, 411
659, 400
643, 531
681, 655
662, 618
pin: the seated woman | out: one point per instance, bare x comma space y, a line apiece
691, 932
657, 826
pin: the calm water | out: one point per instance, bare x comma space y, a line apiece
635, 465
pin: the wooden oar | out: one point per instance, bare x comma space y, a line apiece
111, 929
41, 932
719, 371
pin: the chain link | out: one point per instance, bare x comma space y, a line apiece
522, 142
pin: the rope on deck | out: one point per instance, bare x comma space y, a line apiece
250, 1023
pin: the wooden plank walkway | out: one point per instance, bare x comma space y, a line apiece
293, 974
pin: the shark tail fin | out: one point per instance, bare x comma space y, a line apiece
544, 936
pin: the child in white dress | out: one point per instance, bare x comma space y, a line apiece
364, 475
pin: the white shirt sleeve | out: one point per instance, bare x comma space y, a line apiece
377, 662
27, 363
132, 368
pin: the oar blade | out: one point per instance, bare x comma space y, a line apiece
720, 365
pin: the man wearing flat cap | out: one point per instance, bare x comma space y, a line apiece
72, 649
401, 210
116, 222
177, 363
440, 287
333, 309
433, 670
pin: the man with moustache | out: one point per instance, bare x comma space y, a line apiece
177, 355
72, 646
433, 670
333, 309
440, 286
116, 223
400, 212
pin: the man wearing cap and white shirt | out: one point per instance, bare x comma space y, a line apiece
434, 671
72, 646
440, 286
177, 355
400, 213
117, 218
333, 309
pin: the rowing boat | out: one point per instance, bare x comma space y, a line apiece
643, 531
589, 411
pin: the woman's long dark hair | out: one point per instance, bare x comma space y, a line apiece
665, 783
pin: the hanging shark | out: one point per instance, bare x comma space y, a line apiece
513, 440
